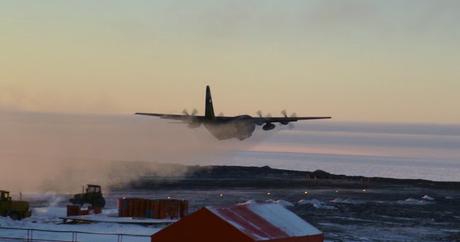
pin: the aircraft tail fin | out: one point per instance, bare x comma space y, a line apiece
209, 113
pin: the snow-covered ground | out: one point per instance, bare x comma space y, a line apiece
387, 214
49, 218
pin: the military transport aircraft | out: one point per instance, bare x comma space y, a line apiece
222, 127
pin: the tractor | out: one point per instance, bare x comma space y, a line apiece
14, 209
92, 195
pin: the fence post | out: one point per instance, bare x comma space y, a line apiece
74, 236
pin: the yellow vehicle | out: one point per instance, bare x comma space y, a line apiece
13, 209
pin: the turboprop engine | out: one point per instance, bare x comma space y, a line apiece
268, 126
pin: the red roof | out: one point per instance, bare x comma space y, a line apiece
265, 221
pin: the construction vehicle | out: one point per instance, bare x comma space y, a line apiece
14, 209
92, 195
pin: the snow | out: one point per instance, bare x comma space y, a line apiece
315, 203
284, 219
283, 203
48, 218
426, 197
273, 213
413, 201
347, 201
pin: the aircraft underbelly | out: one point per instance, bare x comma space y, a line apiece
230, 130
222, 131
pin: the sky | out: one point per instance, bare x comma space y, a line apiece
357, 60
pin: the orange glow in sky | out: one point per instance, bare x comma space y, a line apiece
394, 61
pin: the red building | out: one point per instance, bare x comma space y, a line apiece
248, 222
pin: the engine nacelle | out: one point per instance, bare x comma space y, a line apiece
268, 126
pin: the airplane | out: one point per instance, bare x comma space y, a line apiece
222, 128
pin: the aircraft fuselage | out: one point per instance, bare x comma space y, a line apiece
240, 127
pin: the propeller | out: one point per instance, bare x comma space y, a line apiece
194, 112
293, 115
260, 114
185, 112
191, 120
284, 113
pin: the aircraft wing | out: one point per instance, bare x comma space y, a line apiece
258, 120
172, 116
261, 120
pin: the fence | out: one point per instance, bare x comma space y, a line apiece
73, 236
